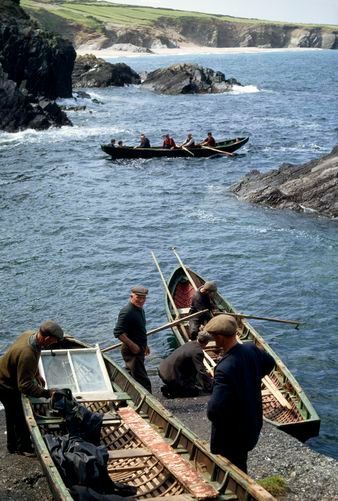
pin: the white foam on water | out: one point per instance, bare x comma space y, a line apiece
246, 89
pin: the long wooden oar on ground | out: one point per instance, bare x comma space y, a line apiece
296, 323
221, 152
161, 328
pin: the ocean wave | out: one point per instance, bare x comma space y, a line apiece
246, 89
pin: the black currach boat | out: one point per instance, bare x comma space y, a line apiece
222, 148
285, 404
148, 447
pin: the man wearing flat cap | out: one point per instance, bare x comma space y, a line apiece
201, 300
130, 329
235, 406
19, 374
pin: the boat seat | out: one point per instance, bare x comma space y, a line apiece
129, 453
183, 311
181, 469
109, 418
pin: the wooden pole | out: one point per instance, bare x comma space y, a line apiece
186, 149
221, 152
184, 268
269, 319
160, 328
239, 315
171, 299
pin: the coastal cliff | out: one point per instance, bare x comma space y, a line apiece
152, 28
35, 67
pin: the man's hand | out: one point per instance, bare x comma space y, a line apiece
147, 350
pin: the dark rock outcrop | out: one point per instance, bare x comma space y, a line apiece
18, 112
309, 187
90, 71
188, 79
35, 66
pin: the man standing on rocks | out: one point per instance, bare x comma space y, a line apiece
235, 406
130, 329
19, 374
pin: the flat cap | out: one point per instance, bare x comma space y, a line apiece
222, 325
210, 286
139, 290
50, 328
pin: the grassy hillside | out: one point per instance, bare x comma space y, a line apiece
87, 13
83, 21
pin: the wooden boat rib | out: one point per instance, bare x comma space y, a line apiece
148, 447
222, 148
285, 404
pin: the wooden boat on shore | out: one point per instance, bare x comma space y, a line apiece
222, 148
285, 404
148, 447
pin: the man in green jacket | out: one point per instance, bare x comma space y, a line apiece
19, 374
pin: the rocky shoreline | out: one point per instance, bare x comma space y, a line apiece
309, 476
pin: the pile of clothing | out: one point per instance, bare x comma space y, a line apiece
81, 460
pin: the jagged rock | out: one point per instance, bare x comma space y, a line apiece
18, 113
33, 65
188, 79
39, 62
309, 187
90, 71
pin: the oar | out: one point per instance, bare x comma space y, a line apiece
186, 149
269, 319
161, 328
239, 315
218, 151
184, 269
171, 299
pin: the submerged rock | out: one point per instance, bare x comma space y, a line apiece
188, 79
90, 71
309, 187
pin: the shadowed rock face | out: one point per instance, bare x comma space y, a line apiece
90, 71
34, 65
188, 79
309, 187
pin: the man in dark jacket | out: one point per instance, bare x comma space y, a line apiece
183, 371
235, 406
19, 374
201, 300
130, 329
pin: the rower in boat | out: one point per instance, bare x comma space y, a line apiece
189, 142
209, 141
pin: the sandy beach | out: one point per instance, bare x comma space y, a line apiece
181, 51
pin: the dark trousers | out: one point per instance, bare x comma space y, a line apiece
135, 367
172, 390
238, 458
18, 437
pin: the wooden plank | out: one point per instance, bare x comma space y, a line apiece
129, 453
181, 469
276, 393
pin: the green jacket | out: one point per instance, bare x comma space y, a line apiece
19, 368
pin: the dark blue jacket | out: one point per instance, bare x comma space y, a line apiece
235, 406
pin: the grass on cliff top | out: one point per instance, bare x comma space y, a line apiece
84, 13
276, 485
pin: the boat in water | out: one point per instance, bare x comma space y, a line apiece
285, 404
148, 448
222, 148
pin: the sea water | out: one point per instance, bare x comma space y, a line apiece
77, 229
